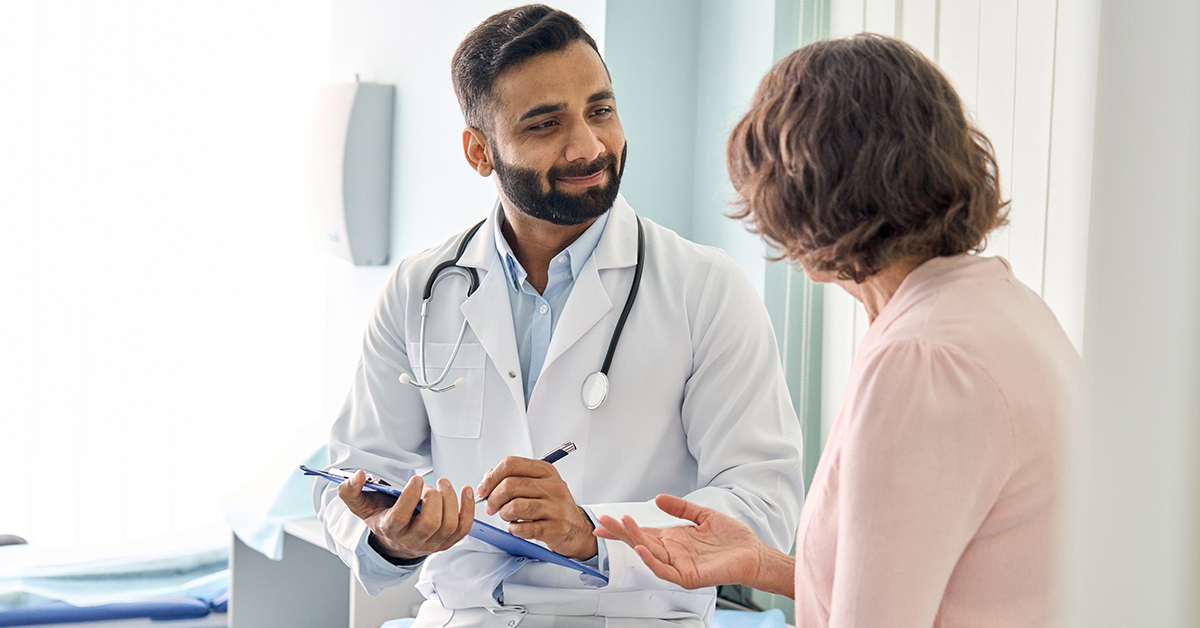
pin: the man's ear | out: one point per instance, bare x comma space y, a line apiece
475, 147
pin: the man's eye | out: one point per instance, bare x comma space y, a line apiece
602, 111
545, 125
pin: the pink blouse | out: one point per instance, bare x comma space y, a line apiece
937, 497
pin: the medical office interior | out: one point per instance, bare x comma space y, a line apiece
173, 345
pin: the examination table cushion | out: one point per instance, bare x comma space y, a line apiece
63, 613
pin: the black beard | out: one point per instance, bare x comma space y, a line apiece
523, 187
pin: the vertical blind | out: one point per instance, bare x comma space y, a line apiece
1026, 72
161, 304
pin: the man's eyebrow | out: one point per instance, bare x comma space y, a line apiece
542, 110
604, 95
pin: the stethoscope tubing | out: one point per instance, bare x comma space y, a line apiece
472, 276
633, 290
437, 275
462, 332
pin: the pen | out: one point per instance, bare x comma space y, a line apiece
559, 454
552, 457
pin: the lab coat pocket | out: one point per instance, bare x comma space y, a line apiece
458, 412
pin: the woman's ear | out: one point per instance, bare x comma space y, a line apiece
475, 148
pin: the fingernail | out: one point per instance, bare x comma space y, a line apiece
470, 494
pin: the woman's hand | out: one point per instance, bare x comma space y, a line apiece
717, 550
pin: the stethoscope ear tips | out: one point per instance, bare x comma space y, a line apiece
405, 379
462, 381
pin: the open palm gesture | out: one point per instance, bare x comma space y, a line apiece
717, 550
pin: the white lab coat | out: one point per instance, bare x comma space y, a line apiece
697, 407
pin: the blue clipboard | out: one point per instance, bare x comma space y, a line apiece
489, 534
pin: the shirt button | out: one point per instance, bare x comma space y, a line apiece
545, 308
562, 259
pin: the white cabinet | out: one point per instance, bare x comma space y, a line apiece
309, 588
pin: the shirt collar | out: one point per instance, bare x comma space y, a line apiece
515, 273
577, 253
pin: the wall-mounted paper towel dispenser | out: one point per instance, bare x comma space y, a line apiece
348, 174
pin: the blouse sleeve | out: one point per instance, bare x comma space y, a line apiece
928, 447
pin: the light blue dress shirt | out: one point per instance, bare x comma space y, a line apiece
536, 315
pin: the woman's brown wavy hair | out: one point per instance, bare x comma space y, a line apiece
856, 153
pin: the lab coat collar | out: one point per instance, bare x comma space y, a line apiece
618, 246
488, 311
489, 314
481, 250
590, 302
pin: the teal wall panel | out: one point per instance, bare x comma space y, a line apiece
651, 53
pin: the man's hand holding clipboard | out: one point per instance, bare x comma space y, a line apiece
402, 532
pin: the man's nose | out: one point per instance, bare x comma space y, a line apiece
583, 144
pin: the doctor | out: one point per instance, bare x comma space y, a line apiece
695, 403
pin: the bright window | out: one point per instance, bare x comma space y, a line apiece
161, 303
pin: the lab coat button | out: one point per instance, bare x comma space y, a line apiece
511, 623
512, 374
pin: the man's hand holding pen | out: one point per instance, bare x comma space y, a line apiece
537, 504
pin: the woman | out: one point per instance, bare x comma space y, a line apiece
936, 499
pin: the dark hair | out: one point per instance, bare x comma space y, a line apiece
501, 41
856, 153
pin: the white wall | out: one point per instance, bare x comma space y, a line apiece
434, 192
1094, 110
1135, 540
1026, 72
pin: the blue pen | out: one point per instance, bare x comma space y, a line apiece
559, 454
552, 457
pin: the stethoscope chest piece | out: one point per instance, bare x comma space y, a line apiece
595, 390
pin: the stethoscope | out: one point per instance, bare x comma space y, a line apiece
595, 386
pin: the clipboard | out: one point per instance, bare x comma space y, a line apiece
489, 534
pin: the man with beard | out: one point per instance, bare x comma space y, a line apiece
569, 279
